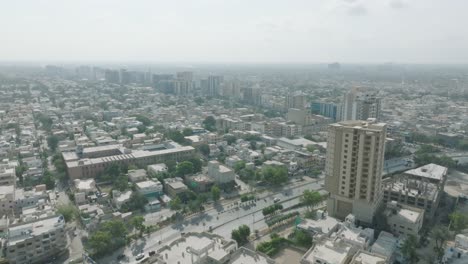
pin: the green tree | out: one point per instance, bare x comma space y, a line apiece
440, 234
52, 142
459, 221
209, 123
99, 242
187, 131
230, 139
184, 168
215, 193
311, 198
238, 166
175, 204
143, 119
138, 223
137, 201
204, 149
303, 239
48, 180
176, 136
310, 148
121, 182
275, 175
241, 235
68, 211
197, 164
409, 249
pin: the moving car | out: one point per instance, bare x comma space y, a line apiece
140, 256
276, 200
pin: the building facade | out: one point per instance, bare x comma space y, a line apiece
355, 155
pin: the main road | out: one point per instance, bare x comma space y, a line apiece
220, 220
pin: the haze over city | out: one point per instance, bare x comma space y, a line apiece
211, 31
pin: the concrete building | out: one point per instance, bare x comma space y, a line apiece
421, 188
219, 173
137, 175
155, 169
404, 220
364, 257
246, 256
360, 104
7, 200
329, 251
91, 167
150, 189
355, 154
322, 225
174, 186
197, 248
296, 100
86, 186
119, 198
385, 245
36, 242
7, 176
456, 253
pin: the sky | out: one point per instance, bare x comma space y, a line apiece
235, 31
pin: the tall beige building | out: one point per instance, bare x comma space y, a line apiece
355, 156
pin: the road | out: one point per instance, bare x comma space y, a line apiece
223, 219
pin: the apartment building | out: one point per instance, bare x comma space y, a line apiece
404, 220
36, 242
355, 153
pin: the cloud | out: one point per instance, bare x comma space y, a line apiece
397, 4
357, 10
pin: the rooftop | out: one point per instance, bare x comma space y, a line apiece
363, 257
20, 233
430, 171
331, 252
247, 256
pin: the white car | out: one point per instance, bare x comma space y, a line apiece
276, 200
140, 256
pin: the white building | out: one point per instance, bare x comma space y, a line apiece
364, 257
36, 242
219, 173
404, 220
150, 189
328, 252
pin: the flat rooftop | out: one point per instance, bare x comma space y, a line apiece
20, 233
430, 171
363, 257
196, 244
385, 244
134, 155
247, 256
329, 252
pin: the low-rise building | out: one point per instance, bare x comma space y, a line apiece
174, 186
329, 251
385, 245
404, 220
119, 198
220, 174
36, 242
364, 257
150, 189
197, 248
155, 169
456, 253
137, 175
86, 186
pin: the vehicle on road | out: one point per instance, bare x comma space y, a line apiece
152, 253
276, 200
140, 256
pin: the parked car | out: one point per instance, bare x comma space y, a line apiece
140, 256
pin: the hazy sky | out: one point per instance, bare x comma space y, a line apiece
289, 31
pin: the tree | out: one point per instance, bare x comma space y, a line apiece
241, 234
52, 142
99, 242
204, 149
48, 180
459, 221
209, 123
230, 139
121, 182
215, 193
197, 164
275, 175
138, 223
409, 249
440, 234
137, 201
187, 131
175, 204
303, 239
238, 166
311, 198
310, 148
184, 168
176, 136
68, 212
143, 119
